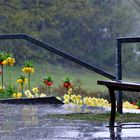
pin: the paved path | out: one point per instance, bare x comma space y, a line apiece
22, 122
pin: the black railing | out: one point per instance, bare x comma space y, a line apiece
58, 52
120, 41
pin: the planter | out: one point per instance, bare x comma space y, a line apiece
41, 100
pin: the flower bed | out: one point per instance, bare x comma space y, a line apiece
71, 98
33, 92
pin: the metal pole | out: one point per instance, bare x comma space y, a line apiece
119, 75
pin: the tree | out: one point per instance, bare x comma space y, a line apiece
85, 28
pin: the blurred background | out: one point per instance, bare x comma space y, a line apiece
86, 29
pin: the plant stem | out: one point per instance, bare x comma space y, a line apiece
22, 88
67, 90
49, 89
29, 77
2, 76
9, 76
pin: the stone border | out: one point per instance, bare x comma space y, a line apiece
41, 100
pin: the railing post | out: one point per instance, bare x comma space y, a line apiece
119, 75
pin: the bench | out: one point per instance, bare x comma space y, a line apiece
117, 85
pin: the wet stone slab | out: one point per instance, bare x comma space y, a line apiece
30, 122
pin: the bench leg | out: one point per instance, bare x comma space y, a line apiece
113, 107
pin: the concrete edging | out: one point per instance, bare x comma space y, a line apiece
39, 100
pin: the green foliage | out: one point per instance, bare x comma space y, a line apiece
1, 56
28, 63
67, 80
49, 79
3, 94
4, 55
8, 92
22, 76
88, 27
138, 103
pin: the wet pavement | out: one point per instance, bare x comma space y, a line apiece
31, 122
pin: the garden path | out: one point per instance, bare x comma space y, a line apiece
30, 122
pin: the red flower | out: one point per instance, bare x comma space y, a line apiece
133, 103
48, 83
67, 84
1, 62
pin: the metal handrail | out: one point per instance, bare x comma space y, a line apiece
120, 41
58, 52
128, 39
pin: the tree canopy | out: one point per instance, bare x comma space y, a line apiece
84, 28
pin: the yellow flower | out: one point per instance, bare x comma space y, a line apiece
42, 95
5, 62
73, 98
35, 90
10, 61
28, 70
70, 91
126, 104
80, 102
21, 81
31, 96
78, 99
14, 95
66, 99
36, 95
28, 94
17, 95
89, 101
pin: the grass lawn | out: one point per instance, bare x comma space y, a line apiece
99, 117
88, 78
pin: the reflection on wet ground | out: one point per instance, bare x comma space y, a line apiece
30, 122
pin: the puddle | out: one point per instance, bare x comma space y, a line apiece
30, 122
